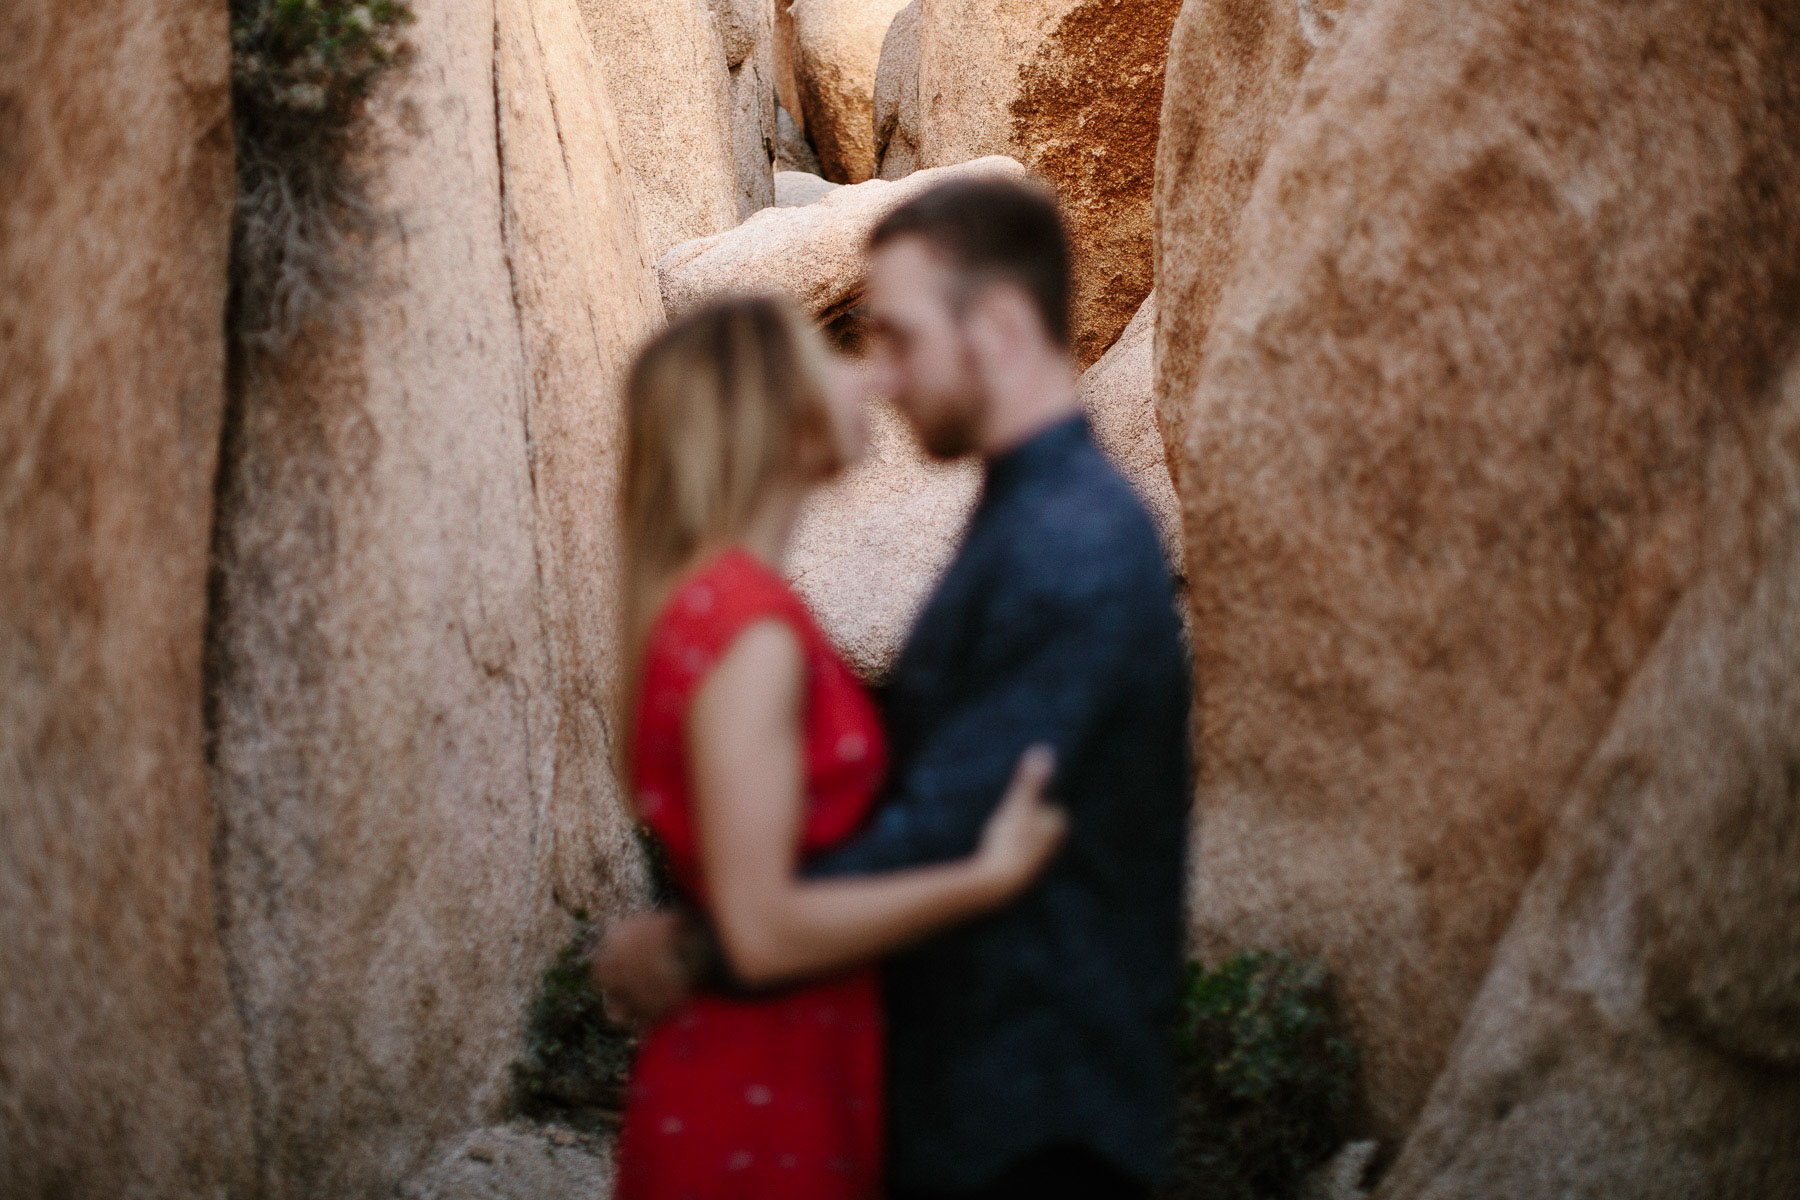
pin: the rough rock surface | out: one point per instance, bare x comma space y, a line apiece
1234, 68
1116, 393
587, 298
1639, 1036
664, 64
517, 1162
1072, 89
814, 252
747, 33
836, 47
792, 151
410, 627
1447, 462
796, 188
1341, 1176
121, 1061
787, 86
897, 96
869, 548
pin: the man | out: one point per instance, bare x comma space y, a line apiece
1028, 1050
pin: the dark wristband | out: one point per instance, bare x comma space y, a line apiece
705, 965
702, 958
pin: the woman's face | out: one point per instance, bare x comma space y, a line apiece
847, 391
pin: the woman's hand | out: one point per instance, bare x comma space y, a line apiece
1026, 829
637, 967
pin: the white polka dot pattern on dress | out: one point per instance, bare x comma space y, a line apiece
791, 1135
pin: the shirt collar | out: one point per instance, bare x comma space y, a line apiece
1035, 453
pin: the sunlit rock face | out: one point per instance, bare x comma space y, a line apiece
413, 631
1117, 393
1072, 89
747, 34
815, 252
897, 96
835, 49
1234, 70
1511, 280
666, 66
869, 548
121, 1061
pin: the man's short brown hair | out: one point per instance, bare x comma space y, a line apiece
994, 229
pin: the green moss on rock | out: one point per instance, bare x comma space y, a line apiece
1266, 1076
575, 1064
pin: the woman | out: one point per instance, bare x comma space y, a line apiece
753, 748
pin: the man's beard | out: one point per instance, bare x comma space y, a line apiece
954, 428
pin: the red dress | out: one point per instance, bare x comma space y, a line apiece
776, 1097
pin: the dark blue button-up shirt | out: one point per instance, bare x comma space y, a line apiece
1050, 1020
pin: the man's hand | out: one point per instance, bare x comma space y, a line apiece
638, 967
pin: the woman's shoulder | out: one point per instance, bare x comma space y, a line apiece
719, 599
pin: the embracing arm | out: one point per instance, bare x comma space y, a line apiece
1053, 666
746, 767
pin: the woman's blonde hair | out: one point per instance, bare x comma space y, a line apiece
720, 408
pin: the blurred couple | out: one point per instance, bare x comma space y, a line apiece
931, 950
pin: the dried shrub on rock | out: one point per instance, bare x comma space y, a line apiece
1266, 1078
301, 72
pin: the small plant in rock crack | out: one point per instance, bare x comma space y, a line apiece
301, 73
575, 1063
1266, 1078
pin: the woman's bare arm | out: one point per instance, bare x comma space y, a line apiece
747, 773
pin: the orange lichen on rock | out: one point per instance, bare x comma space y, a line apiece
1072, 89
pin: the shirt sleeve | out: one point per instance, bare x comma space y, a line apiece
1051, 661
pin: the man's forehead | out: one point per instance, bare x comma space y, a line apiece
913, 251
908, 269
